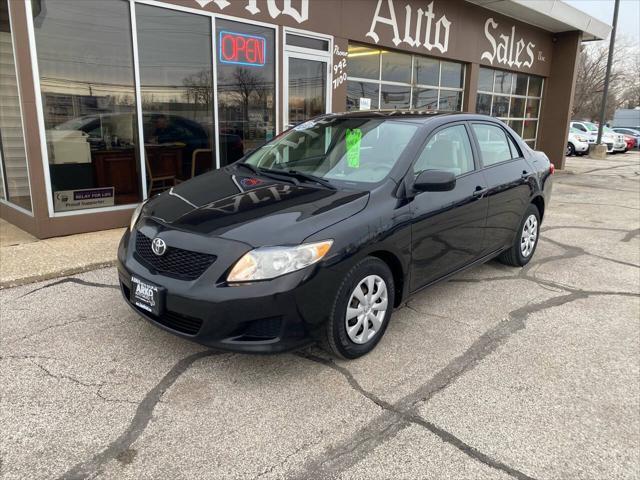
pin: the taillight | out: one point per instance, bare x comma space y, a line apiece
552, 168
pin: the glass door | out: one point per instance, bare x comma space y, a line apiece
306, 71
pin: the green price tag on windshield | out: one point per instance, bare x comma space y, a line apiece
353, 147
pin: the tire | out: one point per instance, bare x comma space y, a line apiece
348, 344
518, 255
570, 151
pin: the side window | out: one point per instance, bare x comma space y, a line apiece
580, 127
494, 146
449, 149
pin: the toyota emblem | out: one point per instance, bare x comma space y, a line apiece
158, 246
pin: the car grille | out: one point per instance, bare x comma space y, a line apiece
176, 262
175, 321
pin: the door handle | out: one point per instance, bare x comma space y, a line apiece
480, 191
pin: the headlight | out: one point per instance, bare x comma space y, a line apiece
136, 216
583, 139
270, 262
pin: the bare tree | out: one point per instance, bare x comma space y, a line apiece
624, 83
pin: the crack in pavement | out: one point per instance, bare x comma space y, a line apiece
71, 280
630, 235
76, 381
411, 417
389, 423
138, 423
596, 204
82, 319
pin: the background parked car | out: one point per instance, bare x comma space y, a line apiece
632, 132
608, 137
619, 144
578, 142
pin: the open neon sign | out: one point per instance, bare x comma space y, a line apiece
242, 49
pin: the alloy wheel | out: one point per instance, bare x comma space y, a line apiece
529, 236
366, 309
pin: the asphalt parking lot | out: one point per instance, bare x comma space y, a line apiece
499, 373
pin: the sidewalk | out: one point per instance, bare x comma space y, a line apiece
25, 259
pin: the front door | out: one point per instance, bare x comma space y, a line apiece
448, 227
307, 78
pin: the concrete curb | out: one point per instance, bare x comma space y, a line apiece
55, 274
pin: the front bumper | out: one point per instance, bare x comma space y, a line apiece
263, 317
581, 147
620, 147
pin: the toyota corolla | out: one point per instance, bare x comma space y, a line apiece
322, 232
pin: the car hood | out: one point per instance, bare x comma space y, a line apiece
237, 205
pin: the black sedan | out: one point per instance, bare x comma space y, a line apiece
322, 232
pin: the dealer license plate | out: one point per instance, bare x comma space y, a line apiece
146, 296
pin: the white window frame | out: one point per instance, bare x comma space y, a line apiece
511, 96
412, 85
292, 51
5, 200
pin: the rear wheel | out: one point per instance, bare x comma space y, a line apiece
571, 150
525, 243
361, 309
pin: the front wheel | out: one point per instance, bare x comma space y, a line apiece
570, 150
361, 309
526, 241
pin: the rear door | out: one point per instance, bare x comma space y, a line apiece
510, 182
448, 227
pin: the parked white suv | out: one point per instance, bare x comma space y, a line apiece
578, 142
614, 141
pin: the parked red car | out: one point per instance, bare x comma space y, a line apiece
630, 141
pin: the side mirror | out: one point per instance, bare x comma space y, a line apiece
435, 181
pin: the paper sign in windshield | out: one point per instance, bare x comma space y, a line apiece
353, 147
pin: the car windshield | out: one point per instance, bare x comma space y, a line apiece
358, 150
591, 126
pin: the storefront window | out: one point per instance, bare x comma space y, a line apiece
514, 98
395, 97
176, 86
356, 90
452, 75
14, 176
246, 87
397, 81
85, 58
396, 67
427, 71
364, 62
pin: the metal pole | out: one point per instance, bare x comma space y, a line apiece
603, 106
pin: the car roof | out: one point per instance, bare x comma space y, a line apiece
420, 116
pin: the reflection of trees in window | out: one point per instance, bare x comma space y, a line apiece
199, 89
246, 89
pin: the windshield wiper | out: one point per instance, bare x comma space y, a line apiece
309, 178
269, 173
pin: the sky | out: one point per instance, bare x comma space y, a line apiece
628, 15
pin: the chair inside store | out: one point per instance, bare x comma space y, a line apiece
201, 161
163, 168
